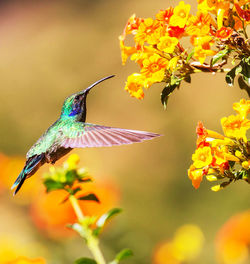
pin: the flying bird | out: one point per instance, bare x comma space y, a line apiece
71, 131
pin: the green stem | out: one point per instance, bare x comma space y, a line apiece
91, 241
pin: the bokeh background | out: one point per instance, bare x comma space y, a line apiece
50, 49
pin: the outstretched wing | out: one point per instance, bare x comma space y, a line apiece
88, 135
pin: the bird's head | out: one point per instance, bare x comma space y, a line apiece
74, 106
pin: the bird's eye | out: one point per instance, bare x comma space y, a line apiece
77, 98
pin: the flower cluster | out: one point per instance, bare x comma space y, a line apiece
233, 240
223, 157
185, 246
218, 30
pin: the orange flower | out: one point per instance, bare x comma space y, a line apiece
24, 260
149, 31
199, 25
154, 68
185, 246
126, 51
164, 15
202, 157
180, 15
201, 53
224, 33
132, 25
201, 132
244, 14
10, 167
195, 176
243, 108
51, 215
202, 47
235, 126
167, 44
233, 239
134, 85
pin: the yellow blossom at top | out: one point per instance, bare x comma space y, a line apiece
167, 44
154, 68
202, 157
180, 16
149, 31
134, 85
199, 25
235, 126
242, 107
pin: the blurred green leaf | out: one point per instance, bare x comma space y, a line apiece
125, 253
89, 197
52, 185
85, 261
104, 218
220, 55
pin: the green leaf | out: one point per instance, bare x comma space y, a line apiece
238, 69
170, 87
74, 191
190, 55
230, 76
187, 78
52, 185
71, 176
246, 69
104, 219
220, 55
85, 261
125, 253
89, 197
243, 85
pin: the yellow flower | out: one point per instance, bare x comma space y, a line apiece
149, 31
126, 51
167, 44
188, 242
235, 126
195, 176
180, 16
24, 260
134, 85
154, 68
185, 246
243, 108
201, 54
246, 164
202, 47
202, 157
199, 25
173, 63
72, 161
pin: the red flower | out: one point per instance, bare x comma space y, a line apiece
224, 33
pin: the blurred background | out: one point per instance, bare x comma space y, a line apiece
51, 49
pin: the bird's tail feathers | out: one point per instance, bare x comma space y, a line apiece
30, 168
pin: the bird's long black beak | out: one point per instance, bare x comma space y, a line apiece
97, 82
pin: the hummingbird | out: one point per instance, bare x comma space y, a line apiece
71, 131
